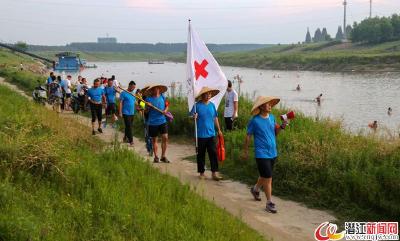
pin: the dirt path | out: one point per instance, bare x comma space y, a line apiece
293, 221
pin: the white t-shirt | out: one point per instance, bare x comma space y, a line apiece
230, 97
115, 83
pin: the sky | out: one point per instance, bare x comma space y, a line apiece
58, 22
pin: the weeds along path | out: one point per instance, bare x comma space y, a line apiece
293, 221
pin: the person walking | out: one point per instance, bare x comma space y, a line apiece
97, 100
231, 106
206, 116
157, 122
127, 111
110, 92
264, 128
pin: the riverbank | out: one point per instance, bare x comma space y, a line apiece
329, 56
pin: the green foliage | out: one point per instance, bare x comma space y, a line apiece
308, 36
376, 30
101, 195
359, 177
21, 46
339, 34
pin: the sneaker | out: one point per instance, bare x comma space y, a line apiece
100, 130
93, 132
165, 160
217, 178
270, 207
131, 143
156, 160
255, 194
202, 177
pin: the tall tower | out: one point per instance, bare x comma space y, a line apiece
344, 19
370, 8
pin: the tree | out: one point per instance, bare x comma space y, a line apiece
339, 34
395, 21
308, 36
317, 36
21, 45
348, 31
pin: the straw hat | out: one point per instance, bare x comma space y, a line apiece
204, 90
151, 87
144, 90
262, 100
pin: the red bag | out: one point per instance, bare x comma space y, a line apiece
221, 148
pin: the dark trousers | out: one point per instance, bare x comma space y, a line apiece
128, 121
209, 145
229, 123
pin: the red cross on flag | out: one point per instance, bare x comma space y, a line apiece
202, 70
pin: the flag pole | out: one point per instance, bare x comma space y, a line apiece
194, 96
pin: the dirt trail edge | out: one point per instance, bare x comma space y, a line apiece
294, 221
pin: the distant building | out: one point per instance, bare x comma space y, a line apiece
107, 40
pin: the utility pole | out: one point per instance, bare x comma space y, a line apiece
344, 19
370, 8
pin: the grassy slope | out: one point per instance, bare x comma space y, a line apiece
331, 56
55, 184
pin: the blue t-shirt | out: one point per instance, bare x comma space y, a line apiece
49, 80
263, 130
206, 114
155, 117
95, 94
109, 92
128, 103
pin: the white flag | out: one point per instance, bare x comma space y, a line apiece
202, 70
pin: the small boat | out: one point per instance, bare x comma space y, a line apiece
155, 62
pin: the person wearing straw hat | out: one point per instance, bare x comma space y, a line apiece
207, 118
156, 120
127, 111
264, 129
142, 105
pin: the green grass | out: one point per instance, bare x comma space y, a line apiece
57, 183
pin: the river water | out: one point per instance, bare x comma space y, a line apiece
356, 99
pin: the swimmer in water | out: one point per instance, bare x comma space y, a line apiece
298, 87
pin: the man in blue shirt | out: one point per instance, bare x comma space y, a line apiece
156, 120
264, 129
127, 111
96, 99
206, 115
110, 92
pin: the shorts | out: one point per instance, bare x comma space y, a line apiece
67, 95
111, 109
96, 110
265, 166
160, 129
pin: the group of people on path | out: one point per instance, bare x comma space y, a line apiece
153, 105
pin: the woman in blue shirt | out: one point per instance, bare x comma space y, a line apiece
207, 118
264, 129
96, 99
